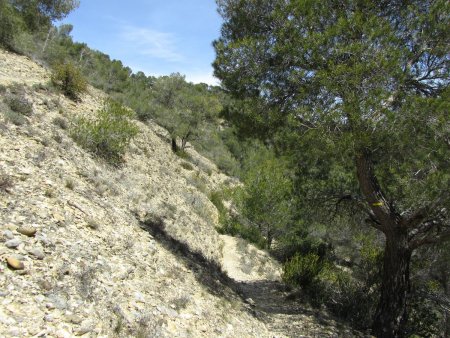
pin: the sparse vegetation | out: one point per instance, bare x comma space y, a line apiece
70, 80
187, 166
60, 122
303, 270
49, 193
19, 104
14, 118
108, 133
6, 182
181, 303
93, 224
197, 181
70, 184
86, 282
334, 116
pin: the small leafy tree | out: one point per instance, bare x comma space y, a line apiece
264, 202
183, 108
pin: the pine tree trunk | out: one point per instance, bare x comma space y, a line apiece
391, 315
174, 145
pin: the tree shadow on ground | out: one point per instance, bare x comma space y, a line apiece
262, 299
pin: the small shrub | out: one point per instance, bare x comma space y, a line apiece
6, 183
187, 166
70, 184
216, 198
183, 154
60, 122
93, 224
14, 118
49, 193
108, 134
198, 182
302, 270
181, 302
231, 226
17, 89
348, 298
19, 104
69, 79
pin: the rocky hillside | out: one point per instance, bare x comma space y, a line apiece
78, 252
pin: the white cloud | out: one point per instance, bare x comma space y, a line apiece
194, 77
152, 43
206, 77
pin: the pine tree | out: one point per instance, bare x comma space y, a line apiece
368, 81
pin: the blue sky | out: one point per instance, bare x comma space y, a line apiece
157, 37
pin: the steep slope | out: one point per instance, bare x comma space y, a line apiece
90, 268
129, 251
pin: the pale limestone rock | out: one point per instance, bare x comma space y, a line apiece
27, 231
14, 263
13, 243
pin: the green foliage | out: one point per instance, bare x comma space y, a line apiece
233, 227
15, 118
38, 14
347, 297
6, 182
182, 108
341, 89
187, 166
264, 202
424, 318
183, 154
69, 79
108, 133
216, 198
302, 270
9, 24
19, 104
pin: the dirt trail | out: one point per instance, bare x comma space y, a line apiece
258, 278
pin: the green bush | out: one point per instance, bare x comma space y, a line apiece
183, 154
9, 25
302, 270
14, 118
19, 104
60, 122
351, 299
187, 166
231, 226
108, 133
6, 182
216, 198
70, 80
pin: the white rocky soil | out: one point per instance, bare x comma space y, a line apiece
90, 266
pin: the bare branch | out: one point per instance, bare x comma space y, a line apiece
430, 237
421, 214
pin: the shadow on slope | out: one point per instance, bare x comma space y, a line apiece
264, 299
